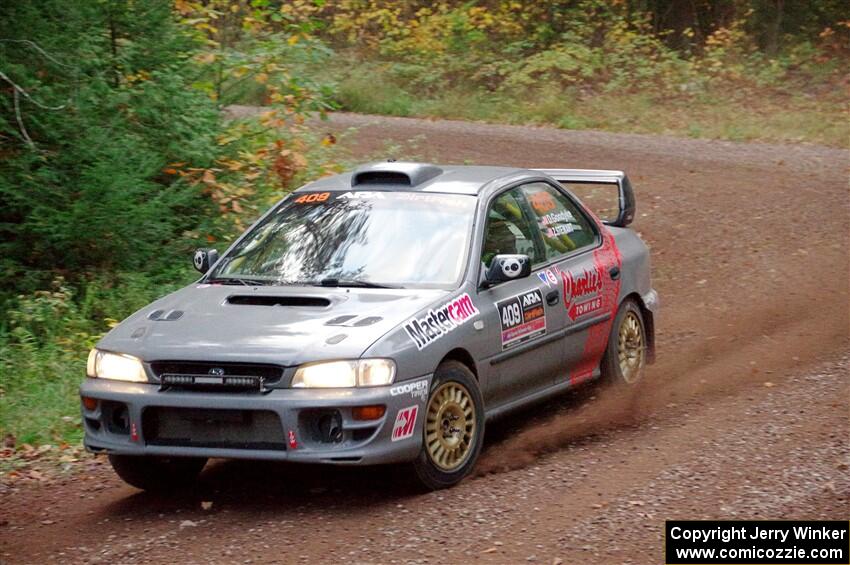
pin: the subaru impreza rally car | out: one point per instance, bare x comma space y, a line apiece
377, 316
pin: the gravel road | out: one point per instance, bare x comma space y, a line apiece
745, 415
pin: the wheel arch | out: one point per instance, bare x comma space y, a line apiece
462, 356
648, 322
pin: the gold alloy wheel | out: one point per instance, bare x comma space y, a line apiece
630, 347
450, 426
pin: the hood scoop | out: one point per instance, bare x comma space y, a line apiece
265, 300
351, 321
163, 316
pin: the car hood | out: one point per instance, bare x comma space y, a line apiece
279, 325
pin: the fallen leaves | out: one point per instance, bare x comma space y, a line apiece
42, 464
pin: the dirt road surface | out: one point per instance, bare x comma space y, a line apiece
745, 415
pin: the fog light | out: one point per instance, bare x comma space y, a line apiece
330, 427
89, 403
368, 412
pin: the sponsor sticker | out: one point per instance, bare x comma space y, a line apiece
542, 202
363, 196
594, 293
440, 321
582, 292
548, 277
416, 389
563, 229
293, 443
312, 197
562, 217
405, 422
522, 318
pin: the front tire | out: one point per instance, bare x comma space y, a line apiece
625, 356
453, 431
157, 474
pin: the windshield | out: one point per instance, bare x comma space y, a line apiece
393, 239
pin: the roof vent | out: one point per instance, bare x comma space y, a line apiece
406, 174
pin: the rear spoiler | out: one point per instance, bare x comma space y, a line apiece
598, 176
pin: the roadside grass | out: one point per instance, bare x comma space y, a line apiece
45, 338
755, 115
375, 95
39, 395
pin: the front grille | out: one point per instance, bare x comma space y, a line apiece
251, 376
237, 383
213, 428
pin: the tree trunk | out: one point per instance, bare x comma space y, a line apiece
773, 31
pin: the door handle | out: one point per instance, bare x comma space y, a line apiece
553, 297
614, 272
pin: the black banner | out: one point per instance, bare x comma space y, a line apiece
522, 318
694, 542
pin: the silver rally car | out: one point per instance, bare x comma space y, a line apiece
377, 316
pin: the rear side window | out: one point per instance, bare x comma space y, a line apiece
563, 227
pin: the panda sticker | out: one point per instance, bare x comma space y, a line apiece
511, 267
200, 255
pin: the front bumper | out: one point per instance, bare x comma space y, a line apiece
126, 421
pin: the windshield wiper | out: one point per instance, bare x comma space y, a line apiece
240, 280
353, 283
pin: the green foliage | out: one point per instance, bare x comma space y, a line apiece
710, 69
116, 160
82, 175
42, 358
44, 342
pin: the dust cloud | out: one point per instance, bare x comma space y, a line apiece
756, 348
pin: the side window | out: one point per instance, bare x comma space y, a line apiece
509, 228
563, 227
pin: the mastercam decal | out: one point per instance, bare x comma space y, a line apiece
440, 321
522, 318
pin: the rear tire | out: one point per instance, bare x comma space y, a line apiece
625, 356
157, 474
453, 431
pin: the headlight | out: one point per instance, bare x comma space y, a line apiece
105, 365
345, 374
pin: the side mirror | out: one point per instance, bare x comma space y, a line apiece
507, 268
204, 259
